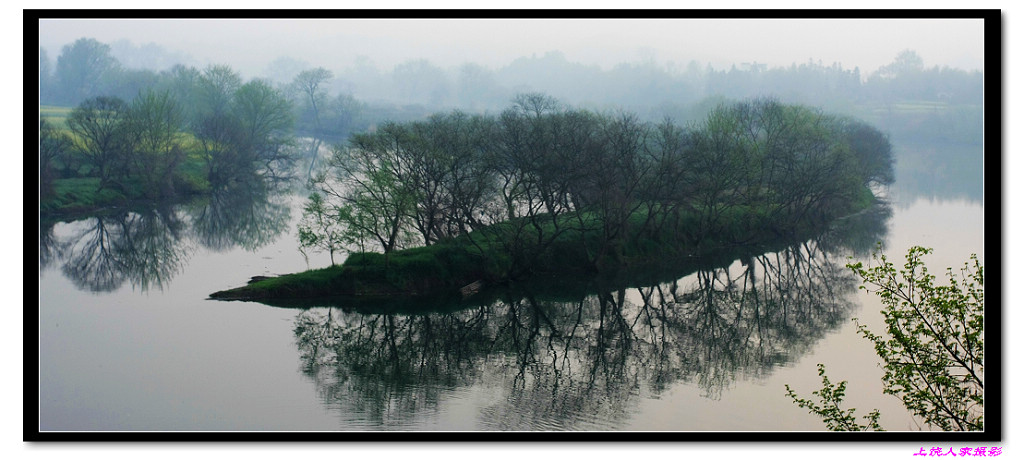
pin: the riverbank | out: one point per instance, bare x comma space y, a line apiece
79, 196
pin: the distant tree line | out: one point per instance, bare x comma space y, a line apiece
89, 68
540, 171
653, 89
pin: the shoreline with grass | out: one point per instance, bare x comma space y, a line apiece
80, 196
109, 153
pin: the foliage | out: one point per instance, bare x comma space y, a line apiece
831, 398
265, 117
373, 183
243, 129
154, 122
322, 226
933, 355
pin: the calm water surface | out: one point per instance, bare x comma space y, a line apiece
128, 341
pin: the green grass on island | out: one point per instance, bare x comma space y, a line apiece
489, 257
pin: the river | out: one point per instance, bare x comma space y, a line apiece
128, 340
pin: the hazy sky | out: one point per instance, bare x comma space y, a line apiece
249, 45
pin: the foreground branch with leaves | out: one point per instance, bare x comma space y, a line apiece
933, 350
830, 408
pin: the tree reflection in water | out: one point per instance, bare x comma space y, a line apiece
239, 216
583, 364
148, 247
50, 249
143, 248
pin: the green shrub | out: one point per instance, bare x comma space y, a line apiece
932, 350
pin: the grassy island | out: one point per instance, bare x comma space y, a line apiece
455, 269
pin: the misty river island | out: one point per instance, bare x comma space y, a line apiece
544, 190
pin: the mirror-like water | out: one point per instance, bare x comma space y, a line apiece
128, 341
